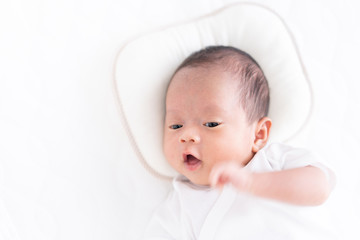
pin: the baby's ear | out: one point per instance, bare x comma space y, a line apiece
262, 131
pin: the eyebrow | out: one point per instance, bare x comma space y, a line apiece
215, 108
209, 108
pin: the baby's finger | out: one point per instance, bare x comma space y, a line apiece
218, 176
214, 178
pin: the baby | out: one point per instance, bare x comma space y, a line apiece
215, 136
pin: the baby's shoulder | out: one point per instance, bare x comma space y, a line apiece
279, 156
279, 150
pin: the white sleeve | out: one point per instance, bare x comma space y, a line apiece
286, 157
165, 223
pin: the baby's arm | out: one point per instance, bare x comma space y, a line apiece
302, 186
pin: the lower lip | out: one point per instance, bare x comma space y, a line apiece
193, 166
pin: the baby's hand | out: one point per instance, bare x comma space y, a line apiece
231, 172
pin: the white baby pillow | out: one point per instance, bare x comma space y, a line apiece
144, 66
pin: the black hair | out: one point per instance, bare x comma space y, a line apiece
254, 93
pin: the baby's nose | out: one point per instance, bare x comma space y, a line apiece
190, 136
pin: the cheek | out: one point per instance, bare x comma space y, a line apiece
169, 146
229, 147
166, 145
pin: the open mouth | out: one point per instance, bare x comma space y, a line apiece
191, 162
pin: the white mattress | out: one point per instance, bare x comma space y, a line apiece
67, 170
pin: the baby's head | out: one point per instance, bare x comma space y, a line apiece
216, 108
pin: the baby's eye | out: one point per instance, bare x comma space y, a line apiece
175, 126
211, 124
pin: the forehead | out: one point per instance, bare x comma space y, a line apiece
211, 89
197, 79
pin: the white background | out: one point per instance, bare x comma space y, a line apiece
66, 168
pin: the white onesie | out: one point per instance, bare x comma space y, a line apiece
203, 213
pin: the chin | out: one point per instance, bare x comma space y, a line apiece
199, 181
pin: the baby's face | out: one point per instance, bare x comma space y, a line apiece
205, 123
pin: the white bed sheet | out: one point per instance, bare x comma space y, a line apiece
66, 168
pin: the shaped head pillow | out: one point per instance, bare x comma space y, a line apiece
145, 65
